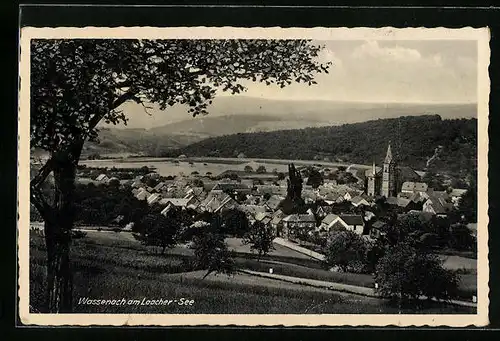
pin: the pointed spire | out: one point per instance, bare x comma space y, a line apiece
373, 168
388, 156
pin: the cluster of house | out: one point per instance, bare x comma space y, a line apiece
260, 200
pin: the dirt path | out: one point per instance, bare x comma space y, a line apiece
338, 287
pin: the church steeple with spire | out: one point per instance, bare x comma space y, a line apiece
389, 174
388, 155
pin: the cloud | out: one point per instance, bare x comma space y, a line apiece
372, 49
327, 55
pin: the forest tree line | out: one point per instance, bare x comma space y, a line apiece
450, 145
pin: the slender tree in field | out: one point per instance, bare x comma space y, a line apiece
78, 83
260, 238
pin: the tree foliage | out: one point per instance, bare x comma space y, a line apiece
211, 252
260, 238
158, 230
235, 222
362, 143
261, 169
467, 204
78, 83
314, 177
346, 250
293, 202
407, 273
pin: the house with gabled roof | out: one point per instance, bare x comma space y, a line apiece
159, 187
354, 222
296, 223
398, 201
102, 177
277, 221
264, 218
252, 211
323, 210
377, 229
153, 198
413, 187
456, 194
350, 222
415, 197
217, 201
142, 194
273, 202
437, 205
137, 184
328, 221
231, 187
359, 201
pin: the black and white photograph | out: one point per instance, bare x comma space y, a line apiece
253, 176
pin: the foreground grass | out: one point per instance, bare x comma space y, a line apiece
109, 269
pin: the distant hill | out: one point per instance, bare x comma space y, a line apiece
240, 114
332, 112
135, 141
208, 126
416, 139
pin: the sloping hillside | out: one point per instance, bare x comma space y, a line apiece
416, 140
208, 126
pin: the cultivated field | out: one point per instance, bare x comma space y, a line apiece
110, 265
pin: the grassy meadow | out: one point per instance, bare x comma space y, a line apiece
110, 265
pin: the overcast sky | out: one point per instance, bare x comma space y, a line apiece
367, 71
390, 71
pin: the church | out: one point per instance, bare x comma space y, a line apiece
387, 181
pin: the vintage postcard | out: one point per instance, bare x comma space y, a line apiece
253, 176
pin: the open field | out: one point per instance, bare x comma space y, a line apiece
171, 166
109, 265
457, 262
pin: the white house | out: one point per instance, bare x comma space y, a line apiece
153, 198
102, 177
350, 222
412, 187
456, 194
143, 194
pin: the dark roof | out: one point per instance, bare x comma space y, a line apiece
407, 173
352, 219
337, 226
439, 204
326, 208
402, 202
423, 216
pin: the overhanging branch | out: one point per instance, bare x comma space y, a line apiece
43, 173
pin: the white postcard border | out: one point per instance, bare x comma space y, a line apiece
481, 35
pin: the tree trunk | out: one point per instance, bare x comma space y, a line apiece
58, 238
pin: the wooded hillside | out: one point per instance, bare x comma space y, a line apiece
419, 141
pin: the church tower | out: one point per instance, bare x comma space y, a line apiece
389, 175
371, 185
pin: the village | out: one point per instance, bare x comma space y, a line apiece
331, 204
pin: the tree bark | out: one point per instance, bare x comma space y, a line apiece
58, 239
59, 218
